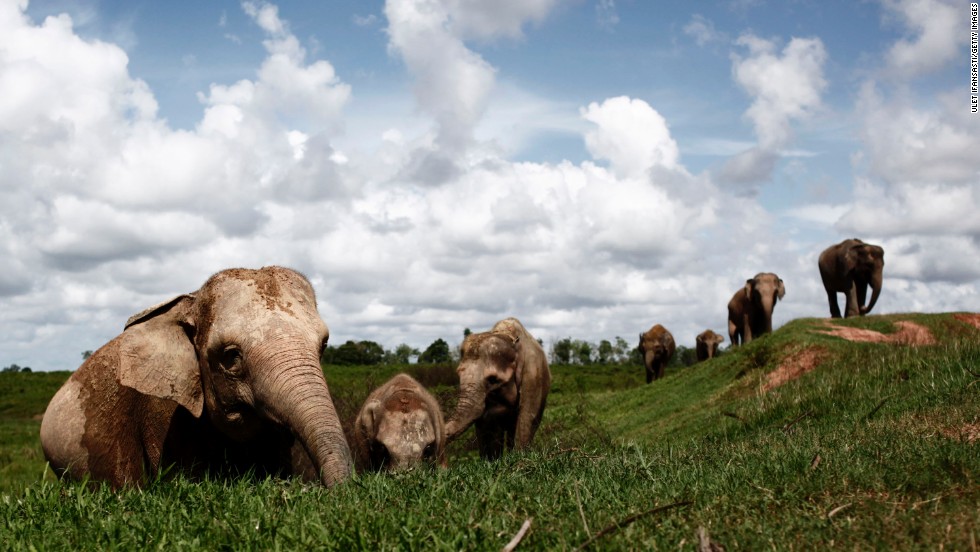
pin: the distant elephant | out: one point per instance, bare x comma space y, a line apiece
657, 348
503, 385
706, 344
750, 310
225, 379
849, 268
399, 427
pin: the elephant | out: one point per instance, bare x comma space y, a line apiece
657, 348
849, 267
706, 344
399, 427
225, 379
750, 309
504, 381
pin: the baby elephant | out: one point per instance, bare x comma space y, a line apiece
657, 347
707, 343
399, 426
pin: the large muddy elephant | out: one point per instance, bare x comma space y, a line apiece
657, 348
399, 427
503, 385
224, 379
850, 267
750, 309
706, 344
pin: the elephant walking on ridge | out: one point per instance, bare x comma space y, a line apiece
706, 344
750, 309
850, 267
657, 348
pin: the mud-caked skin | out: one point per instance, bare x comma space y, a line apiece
706, 344
657, 348
224, 379
399, 427
750, 309
851, 267
503, 386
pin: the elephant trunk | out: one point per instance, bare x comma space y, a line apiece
875, 284
298, 398
472, 401
768, 305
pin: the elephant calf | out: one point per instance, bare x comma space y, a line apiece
657, 347
750, 309
399, 427
850, 267
706, 344
503, 385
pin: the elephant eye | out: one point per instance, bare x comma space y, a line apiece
429, 451
380, 457
493, 380
231, 360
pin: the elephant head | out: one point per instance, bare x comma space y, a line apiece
240, 355
400, 426
706, 344
657, 348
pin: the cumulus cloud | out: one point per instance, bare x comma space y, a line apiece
631, 135
936, 37
702, 30
785, 86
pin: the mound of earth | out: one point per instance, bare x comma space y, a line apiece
972, 319
794, 366
909, 333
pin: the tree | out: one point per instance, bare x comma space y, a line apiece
561, 351
354, 353
606, 352
402, 354
437, 352
583, 351
86, 354
15, 368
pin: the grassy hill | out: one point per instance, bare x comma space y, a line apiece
799, 440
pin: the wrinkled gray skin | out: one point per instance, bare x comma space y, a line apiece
225, 379
850, 267
657, 348
706, 344
399, 427
503, 385
750, 309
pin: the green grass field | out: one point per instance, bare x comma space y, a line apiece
876, 447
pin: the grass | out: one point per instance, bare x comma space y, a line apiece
874, 449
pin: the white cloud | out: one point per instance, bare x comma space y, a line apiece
937, 29
606, 14
631, 135
702, 30
785, 86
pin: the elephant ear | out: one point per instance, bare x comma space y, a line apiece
780, 288
367, 419
748, 287
157, 356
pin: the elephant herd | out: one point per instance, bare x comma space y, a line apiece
228, 379
849, 267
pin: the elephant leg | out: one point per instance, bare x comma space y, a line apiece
661, 365
651, 375
746, 330
852, 307
834, 307
491, 439
732, 333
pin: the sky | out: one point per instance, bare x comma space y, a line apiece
591, 167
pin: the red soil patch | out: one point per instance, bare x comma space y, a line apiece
968, 433
796, 365
909, 333
971, 319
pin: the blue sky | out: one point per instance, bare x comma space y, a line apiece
591, 167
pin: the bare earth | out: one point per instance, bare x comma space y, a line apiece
909, 333
796, 365
969, 318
